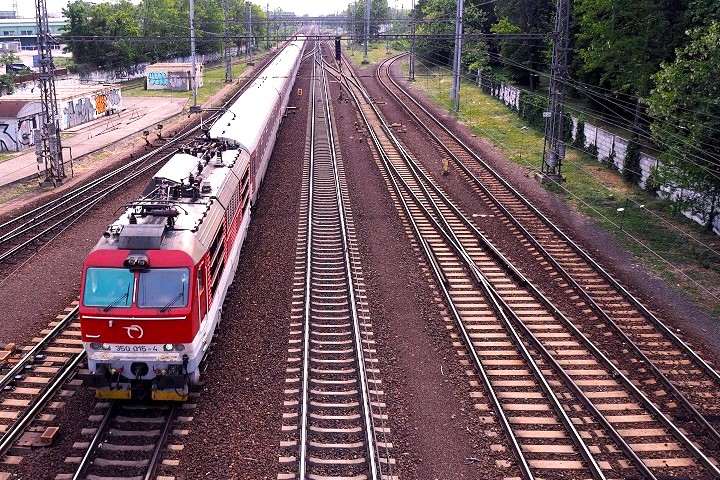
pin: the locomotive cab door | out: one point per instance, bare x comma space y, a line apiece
202, 291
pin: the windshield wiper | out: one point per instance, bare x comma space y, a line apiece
117, 301
172, 302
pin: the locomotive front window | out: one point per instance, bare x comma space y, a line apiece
108, 287
163, 288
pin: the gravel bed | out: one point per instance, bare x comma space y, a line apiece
235, 433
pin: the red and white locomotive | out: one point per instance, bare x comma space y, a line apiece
153, 287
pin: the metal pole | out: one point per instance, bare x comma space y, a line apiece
455, 90
267, 33
367, 30
192, 53
228, 65
554, 146
412, 43
250, 35
48, 146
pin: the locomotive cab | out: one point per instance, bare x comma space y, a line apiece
139, 322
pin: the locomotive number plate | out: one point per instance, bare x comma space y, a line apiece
135, 348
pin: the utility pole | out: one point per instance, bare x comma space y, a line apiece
250, 35
267, 32
455, 89
193, 77
228, 64
48, 146
412, 43
554, 146
367, 31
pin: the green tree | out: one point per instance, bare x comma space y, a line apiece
440, 22
685, 108
378, 16
522, 58
112, 22
621, 43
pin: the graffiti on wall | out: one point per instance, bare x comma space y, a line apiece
84, 109
158, 78
78, 111
7, 140
175, 80
25, 129
14, 139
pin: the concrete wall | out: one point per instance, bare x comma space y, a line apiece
84, 108
607, 143
173, 76
16, 132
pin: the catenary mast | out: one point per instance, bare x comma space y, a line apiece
48, 146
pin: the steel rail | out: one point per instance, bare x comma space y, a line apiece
371, 444
523, 466
637, 393
9, 377
304, 402
496, 302
17, 428
626, 294
86, 460
162, 440
679, 396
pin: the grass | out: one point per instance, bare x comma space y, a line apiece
377, 51
673, 247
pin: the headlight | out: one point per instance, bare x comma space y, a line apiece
106, 346
179, 347
96, 346
168, 347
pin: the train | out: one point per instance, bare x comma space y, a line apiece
153, 287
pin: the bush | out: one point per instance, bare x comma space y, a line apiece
631, 165
531, 111
592, 150
579, 141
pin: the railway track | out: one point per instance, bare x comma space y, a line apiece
334, 418
28, 231
606, 311
127, 443
31, 377
566, 408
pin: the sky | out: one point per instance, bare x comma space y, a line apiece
300, 7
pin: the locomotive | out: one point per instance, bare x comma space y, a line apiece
153, 286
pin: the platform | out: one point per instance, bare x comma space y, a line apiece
140, 113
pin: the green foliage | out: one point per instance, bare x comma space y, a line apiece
164, 23
522, 58
631, 166
356, 13
9, 57
6, 84
609, 161
686, 110
440, 22
579, 141
531, 110
116, 21
592, 151
621, 42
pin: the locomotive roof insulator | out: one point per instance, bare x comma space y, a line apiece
113, 230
